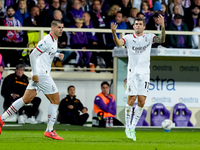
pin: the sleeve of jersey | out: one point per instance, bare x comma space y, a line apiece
153, 37
125, 39
33, 58
42, 46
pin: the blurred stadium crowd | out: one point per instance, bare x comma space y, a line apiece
180, 15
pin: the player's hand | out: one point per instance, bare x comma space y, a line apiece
113, 27
35, 78
161, 20
61, 56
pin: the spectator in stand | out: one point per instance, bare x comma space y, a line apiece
86, 7
43, 12
159, 8
192, 17
112, 12
99, 19
178, 41
153, 23
176, 10
195, 38
2, 66
76, 12
12, 38
13, 87
176, 2
120, 25
2, 11
33, 20
145, 10
105, 102
65, 6
165, 13
140, 15
91, 36
79, 41
55, 5
21, 14
125, 8
133, 14
70, 108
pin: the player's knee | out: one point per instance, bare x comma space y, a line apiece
141, 103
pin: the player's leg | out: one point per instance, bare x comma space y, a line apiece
138, 110
52, 114
27, 98
129, 110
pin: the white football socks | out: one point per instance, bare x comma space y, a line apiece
137, 114
52, 114
13, 108
128, 114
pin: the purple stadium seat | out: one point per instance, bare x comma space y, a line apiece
181, 115
142, 121
158, 114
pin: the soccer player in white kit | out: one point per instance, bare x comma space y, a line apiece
41, 59
138, 45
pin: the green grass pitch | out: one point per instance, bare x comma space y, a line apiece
31, 137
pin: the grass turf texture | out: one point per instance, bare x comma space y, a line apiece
31, 137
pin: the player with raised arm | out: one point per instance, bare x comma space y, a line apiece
40, 60
138, 46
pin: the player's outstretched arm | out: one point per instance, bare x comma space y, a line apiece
161, 38
118, 42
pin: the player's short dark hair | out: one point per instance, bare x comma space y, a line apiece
140, 19
55, 22
70, 87
105, 82
20, 66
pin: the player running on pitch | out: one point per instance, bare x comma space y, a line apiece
138, 46
41, 59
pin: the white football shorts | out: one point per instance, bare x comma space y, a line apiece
137, 84
45, 84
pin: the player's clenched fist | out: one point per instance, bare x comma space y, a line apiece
35, 78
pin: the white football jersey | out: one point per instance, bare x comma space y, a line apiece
139, 48
48, 48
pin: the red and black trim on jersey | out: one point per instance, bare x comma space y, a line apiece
52, 40
52, 37
124, 41
39, 50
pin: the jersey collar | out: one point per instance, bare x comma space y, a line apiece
135, 36
52, 37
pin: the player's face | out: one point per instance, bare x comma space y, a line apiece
105, 89
71, 91
58, 29
139, 27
